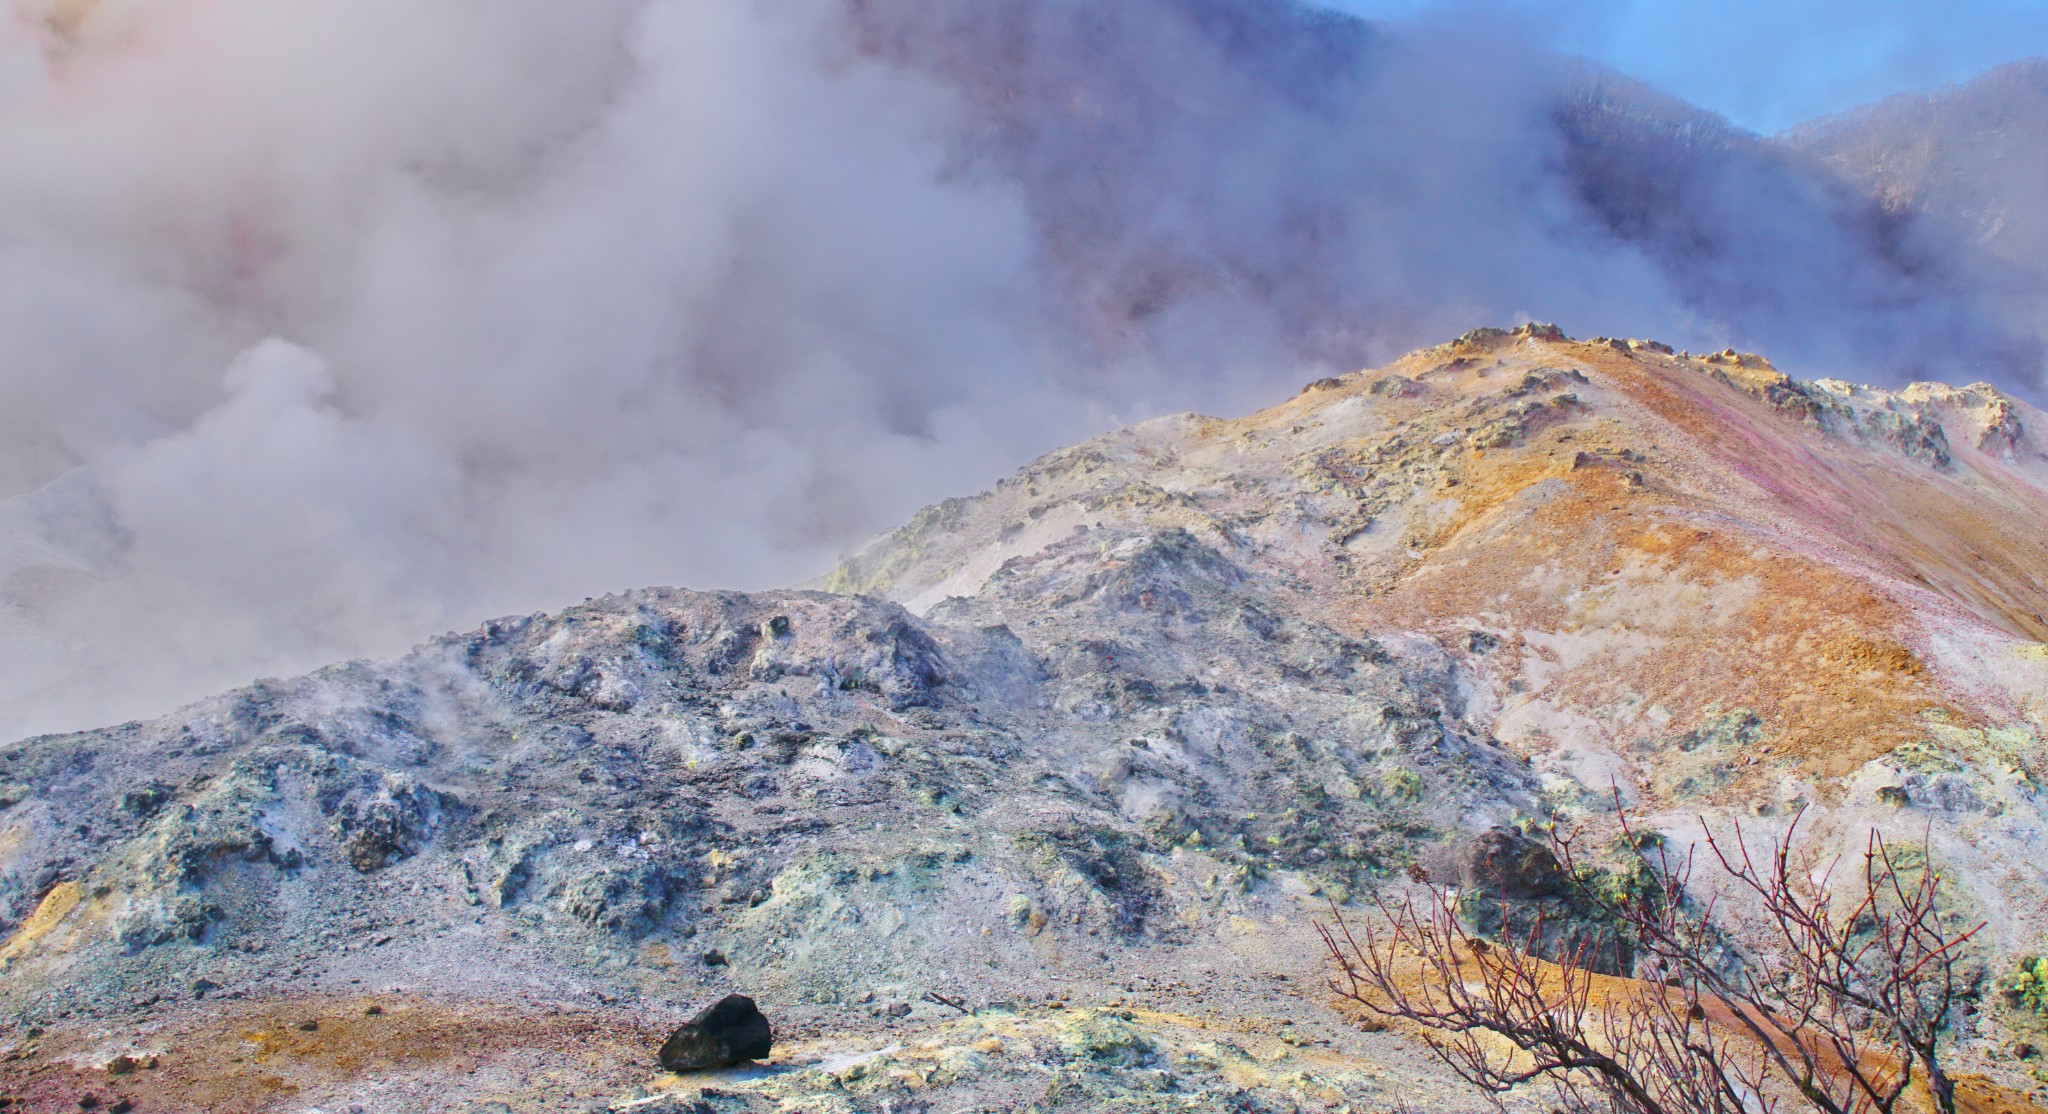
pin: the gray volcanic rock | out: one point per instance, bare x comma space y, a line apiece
728, 1031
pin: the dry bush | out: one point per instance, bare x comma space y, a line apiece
1837, 1006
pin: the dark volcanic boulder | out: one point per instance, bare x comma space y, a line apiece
1502, 862
731, 1030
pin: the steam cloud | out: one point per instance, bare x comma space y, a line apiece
329, 324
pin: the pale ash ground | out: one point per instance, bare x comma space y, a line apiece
1086, 754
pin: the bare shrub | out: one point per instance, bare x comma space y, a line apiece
1837, 1005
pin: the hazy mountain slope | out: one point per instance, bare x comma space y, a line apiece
1134, 717
1976, 154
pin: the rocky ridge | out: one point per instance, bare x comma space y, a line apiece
1032, 802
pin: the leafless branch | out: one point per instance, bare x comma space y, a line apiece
1838, 1008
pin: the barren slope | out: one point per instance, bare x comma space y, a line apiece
1620, 545
1083, 754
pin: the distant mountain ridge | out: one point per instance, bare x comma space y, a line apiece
1975, 154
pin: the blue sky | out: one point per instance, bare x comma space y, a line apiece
1767, 64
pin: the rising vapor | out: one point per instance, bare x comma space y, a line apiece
330, 324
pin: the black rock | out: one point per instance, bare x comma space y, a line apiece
731, 1030
1503, 862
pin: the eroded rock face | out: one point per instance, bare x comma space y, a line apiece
729, 1030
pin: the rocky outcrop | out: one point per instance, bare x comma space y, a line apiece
1503, 863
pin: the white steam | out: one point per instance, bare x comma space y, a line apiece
330, 324
576, 297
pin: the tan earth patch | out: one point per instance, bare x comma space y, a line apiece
242, 1058
50, 912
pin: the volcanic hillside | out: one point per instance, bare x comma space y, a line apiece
1032, 805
